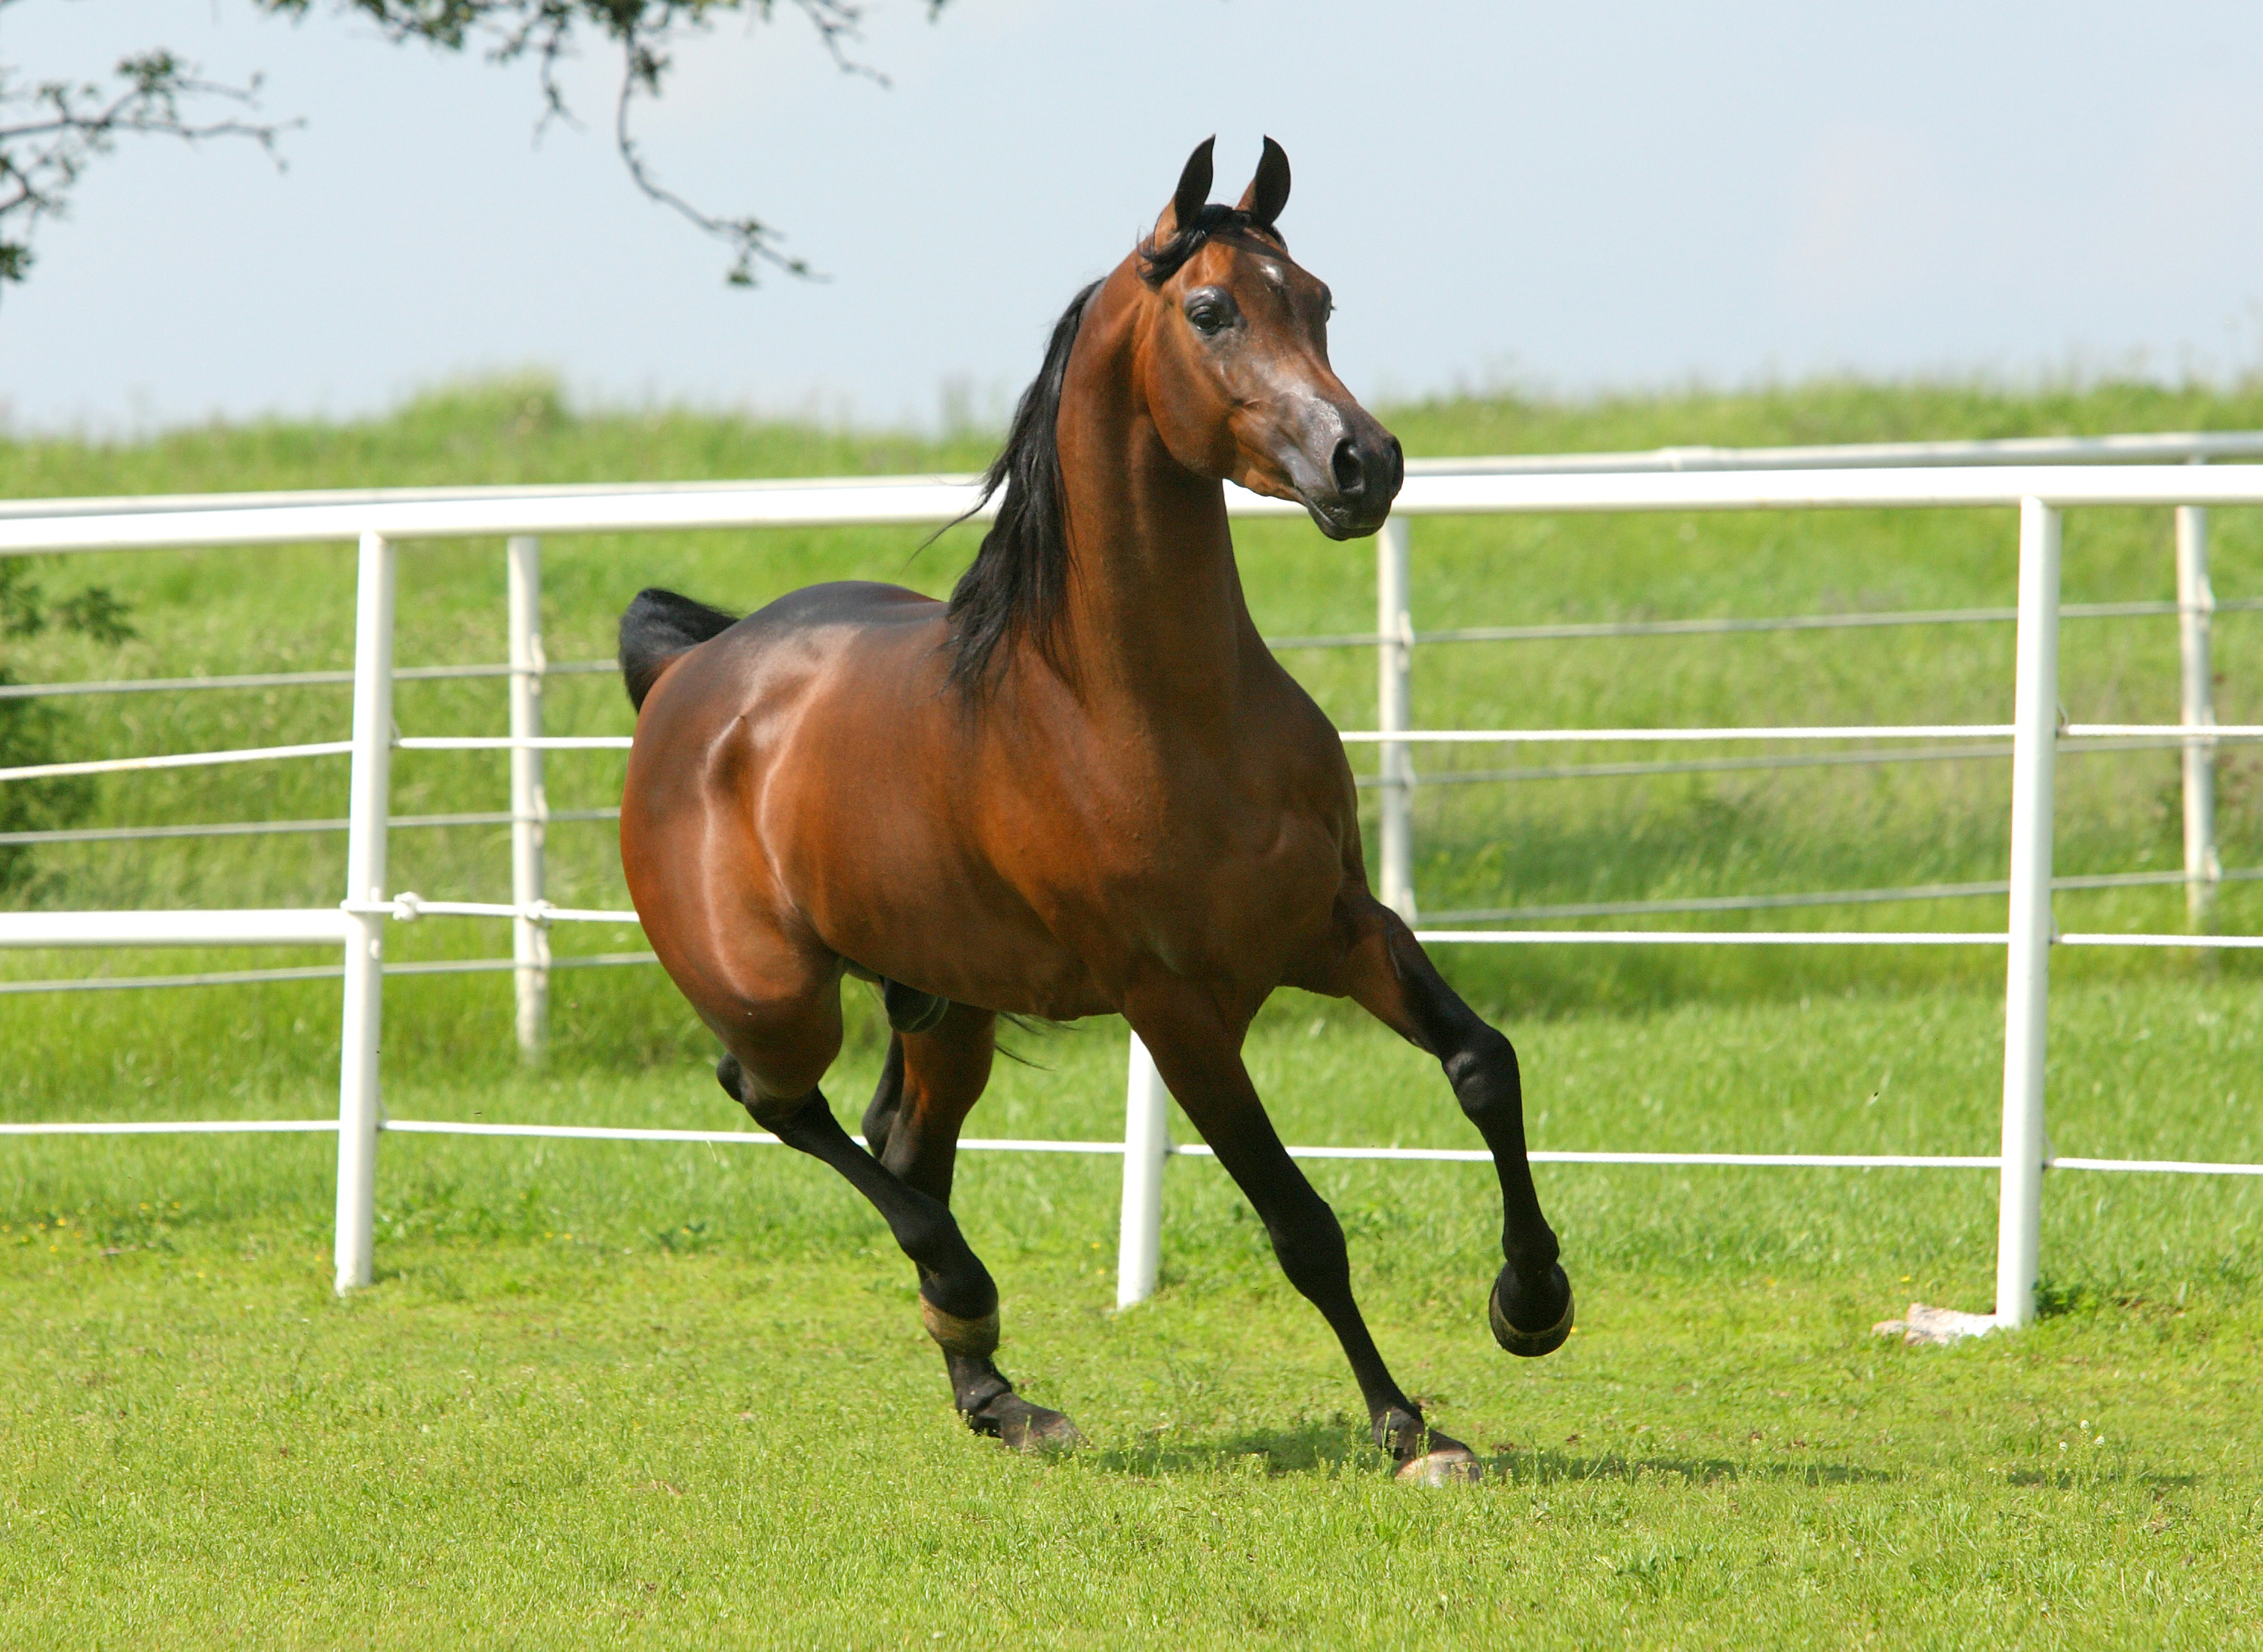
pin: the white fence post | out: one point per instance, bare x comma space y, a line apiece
369, 796
2197, 707
2027, 989
1146, 1139
1394, 658
530, 803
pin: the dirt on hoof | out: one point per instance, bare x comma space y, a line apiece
1456, 1466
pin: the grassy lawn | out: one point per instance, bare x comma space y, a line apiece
680, 1396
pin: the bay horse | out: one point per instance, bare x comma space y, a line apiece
1081, 786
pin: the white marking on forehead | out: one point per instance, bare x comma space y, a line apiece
1271, 272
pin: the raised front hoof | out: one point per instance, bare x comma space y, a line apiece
1530, 1345
1448, 1465
1020, 1426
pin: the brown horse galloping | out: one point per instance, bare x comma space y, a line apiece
1083, 787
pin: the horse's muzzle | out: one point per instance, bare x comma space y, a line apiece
1363, 473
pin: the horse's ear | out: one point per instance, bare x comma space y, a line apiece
1268, 191
1191, 196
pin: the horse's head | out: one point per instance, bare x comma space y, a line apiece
1233, 357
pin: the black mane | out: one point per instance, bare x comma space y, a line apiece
1017, 582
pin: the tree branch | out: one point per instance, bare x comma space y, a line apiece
50, 130
644, 32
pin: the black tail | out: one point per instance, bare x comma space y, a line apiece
659, 626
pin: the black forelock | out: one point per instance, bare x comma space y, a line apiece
1159, 262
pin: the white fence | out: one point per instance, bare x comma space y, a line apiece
2038, 479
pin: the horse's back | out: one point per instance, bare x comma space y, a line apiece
782, 644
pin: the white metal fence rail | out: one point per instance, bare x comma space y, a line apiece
2005, 475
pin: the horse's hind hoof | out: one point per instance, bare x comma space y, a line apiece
1023, 1427
1529, 1344
1455, 1466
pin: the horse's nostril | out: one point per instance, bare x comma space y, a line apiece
1350, 474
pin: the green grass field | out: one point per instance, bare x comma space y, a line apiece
680, 1396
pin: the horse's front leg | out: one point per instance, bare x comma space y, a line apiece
1393, 978
1198, 1053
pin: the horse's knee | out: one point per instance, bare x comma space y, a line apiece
769, 1112
736, 1083
1484, 1074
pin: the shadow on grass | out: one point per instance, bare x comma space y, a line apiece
1332, 1449
1311, 1448
1551, 1468
2087, 1479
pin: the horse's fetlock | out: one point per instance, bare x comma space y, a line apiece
965, 1293
1532, 1254
971, 1338
1400, 1430
976, 1388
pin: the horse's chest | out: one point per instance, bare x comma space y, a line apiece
1196, 886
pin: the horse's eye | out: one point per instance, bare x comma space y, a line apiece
1207, 313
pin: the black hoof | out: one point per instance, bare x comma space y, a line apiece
1020, 1426
1530, 1345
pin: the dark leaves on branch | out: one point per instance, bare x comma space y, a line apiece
95, 612
51, 129
32, 731
644, 32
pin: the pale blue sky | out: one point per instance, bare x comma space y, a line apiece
1566, 197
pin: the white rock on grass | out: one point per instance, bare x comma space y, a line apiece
1934, 1326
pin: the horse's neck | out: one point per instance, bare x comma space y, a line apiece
1155, 625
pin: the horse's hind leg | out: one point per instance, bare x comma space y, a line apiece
1529, 1308
932, 1079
